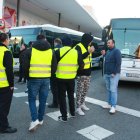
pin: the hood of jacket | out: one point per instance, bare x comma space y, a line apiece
86, 39
41, 45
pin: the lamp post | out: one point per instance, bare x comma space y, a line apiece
18, 8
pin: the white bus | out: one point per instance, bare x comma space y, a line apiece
26, 34
126, 33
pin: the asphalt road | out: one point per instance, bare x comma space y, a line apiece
121, 126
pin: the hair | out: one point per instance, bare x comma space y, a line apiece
3, 37
112, 40
58, 40
30, 43
40, 37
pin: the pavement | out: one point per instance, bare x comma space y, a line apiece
97, 124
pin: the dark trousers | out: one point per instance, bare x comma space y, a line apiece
21, 74
5, 103
54, 89
63, 87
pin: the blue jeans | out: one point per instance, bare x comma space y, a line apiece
112, 85
38, 87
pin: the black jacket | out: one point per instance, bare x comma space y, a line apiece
21, 56
86, 39
83, 72
8, 64
80, 60
41, 45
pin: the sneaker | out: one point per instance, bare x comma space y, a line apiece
106, 106
63, 119
40, 122
80, 112
33, 125
112, 110
84, 107
26, 91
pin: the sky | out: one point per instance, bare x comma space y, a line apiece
104, 10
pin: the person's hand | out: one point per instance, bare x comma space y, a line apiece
91, 49
112, 75
103, 52
12, 88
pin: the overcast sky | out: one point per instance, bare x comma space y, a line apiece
104, 10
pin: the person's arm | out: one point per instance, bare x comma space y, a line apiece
57, 54
80, 61
85, 55
54, 64
118, 58
26, 62
8, 64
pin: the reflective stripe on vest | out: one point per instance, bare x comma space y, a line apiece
40, 63
87, 60
3, 76
68, 65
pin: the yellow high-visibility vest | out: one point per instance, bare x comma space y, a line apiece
3, 76
68, 65
88, 59
40, 63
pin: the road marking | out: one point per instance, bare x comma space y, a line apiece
54, 115
118, 108
20, 94
37, 103
95, 132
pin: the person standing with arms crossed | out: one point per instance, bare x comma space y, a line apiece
40, 63
6, 84
83, 80
112, 68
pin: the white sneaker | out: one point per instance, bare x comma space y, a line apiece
80, 112
84, 107
33, 125
112, 110
40, 122
107, 106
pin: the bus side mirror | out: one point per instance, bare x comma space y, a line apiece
104, 35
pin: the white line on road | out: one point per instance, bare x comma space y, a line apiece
54, 115
20, 94
118, 108
95, 132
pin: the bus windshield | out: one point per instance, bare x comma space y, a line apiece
126, 40
28, 34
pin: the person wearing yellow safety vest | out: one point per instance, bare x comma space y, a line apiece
69, 60
40, 63
53, 81
83, 80
6, 84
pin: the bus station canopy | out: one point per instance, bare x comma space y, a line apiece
71, 13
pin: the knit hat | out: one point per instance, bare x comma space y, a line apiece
86, 39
